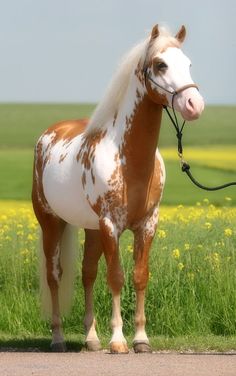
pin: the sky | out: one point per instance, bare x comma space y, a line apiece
67, 50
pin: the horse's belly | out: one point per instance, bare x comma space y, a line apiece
64, 193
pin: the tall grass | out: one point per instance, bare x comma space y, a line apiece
192, 280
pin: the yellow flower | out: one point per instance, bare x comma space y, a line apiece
228, 232
216, 260
176, 253
187, 246
208, 225
32, 226
206, 201
30, 237
24, 252
5, 228
130, 248
161, 234
180, 266
191, 276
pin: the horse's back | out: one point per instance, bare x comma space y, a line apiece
67, 129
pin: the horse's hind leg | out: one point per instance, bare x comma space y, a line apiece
92, 254
52, 230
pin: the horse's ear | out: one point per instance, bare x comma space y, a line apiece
155, 32
180, 36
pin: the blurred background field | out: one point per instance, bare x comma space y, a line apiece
210, 149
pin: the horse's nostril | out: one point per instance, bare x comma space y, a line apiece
190, 103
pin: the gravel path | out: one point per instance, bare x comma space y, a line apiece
103, 364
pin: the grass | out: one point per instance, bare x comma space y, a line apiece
16, 167
22, 124
191, 292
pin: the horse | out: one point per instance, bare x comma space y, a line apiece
108, 176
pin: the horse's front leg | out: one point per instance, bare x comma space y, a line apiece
143, 237
115, 279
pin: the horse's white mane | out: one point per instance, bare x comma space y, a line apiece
110, 103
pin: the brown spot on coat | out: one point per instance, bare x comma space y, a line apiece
62, 157
88, 147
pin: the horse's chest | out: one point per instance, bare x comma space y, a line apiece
114, 189
145, 192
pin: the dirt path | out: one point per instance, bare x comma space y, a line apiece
103, 364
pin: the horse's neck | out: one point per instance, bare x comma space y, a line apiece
139, 122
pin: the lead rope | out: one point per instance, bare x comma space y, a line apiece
185, 167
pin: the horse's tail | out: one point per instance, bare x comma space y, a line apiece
66, 285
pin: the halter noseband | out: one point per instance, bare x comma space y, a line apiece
172, 92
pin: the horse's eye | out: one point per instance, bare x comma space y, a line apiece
161, 66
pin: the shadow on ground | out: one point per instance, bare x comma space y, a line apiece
36, 345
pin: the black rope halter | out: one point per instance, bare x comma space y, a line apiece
179, 132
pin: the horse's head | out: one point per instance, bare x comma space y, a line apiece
167, 74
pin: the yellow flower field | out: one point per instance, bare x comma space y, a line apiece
218, 157
192, 280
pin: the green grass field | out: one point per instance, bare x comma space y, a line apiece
191, 301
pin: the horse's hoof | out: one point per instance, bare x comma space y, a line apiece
58, 347
93, 345
119, 348
142, 347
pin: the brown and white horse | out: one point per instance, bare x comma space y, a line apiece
109, 176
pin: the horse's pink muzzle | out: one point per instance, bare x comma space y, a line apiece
190, 104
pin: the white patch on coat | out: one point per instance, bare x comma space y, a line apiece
62, 184
116, 321
140, 336
150, 225
162, 170
112, 230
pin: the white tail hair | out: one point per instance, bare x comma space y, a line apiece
66, 285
